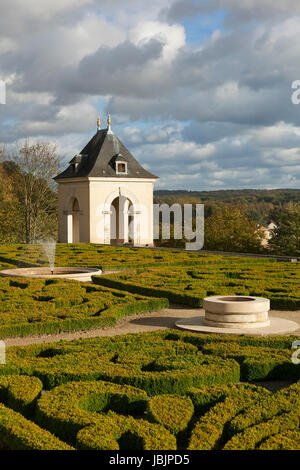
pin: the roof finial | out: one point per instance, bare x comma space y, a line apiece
109, 131
98, 123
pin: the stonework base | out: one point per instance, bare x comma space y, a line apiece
277, 326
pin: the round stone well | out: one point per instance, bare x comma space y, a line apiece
234, 314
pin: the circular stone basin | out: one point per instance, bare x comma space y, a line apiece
59, 272
236, 312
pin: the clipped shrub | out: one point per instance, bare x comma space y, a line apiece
283, 401
148, 362
172, 411
254, 436
212, 276
125, 433
286, 440
20, 392
42, 306
257, 362
18, 433
68, 408
210, 432
206, 397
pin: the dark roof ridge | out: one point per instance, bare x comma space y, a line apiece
101, 152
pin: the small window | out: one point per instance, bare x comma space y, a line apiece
121, 168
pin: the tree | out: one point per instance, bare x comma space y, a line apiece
31, 169
286, 238
8, 209
229, 229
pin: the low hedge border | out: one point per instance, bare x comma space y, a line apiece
107, 319
210, 432
173, 297
18, 433
68, 408
206, 397
153, 364
20, 392
125, 433
283, 401
286, 440
257, 363
178, 379
171, 411
254, 436
229, 277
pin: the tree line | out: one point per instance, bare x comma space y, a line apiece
28, 207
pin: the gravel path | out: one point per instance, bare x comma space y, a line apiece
150, 321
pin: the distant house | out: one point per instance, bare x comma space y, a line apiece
268, 233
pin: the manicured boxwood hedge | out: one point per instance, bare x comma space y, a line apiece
253, 437
125, 433
20, 392
99, 256
280, 282
284, 401
286, 440
210, 432
172, 411
257, 363
133, 385
38, 306
70, 407
18, 433
147, 362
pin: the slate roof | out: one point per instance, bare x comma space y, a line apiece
98, 158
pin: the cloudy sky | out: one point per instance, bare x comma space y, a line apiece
199, 91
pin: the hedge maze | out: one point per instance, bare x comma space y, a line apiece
165, 390
36, 306
153, 391
188, 285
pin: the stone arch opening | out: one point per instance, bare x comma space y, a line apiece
73, 221
121, 221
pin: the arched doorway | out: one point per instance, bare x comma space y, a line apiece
73, 221
121, 221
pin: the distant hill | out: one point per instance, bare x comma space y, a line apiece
229, 196
262, 205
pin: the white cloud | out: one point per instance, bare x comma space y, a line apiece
172, 36
211, 115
